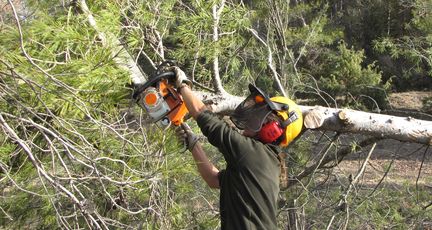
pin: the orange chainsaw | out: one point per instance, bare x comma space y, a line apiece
159, 97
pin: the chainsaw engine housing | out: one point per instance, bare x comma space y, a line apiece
161, 100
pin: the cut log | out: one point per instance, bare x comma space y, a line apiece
405, 129
379, 125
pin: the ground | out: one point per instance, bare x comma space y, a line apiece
405, 160
406, 157
409, 100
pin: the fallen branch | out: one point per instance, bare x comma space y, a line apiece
343, 202
405, 129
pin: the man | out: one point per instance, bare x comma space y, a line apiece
249, 185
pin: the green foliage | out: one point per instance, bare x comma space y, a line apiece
422, 16
5, 151
412, 50
299, 153
80, 98
193, 41
296, 38
72, 57
343, 74
70, 102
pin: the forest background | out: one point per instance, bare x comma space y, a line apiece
76, 152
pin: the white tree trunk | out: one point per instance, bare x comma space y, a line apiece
343, 120
379, 125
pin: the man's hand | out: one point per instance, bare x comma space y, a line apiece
194, 105
185, 135
206, 169
181, 78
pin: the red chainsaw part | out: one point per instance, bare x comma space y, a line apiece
175, 102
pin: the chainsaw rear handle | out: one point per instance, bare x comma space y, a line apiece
170, 75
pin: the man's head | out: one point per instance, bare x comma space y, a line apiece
276, 120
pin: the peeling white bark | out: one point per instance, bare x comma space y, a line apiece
379, 125
219, 103
405, 129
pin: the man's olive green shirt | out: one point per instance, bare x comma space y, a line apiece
249, 185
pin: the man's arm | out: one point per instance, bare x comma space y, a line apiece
193, 104
206, 169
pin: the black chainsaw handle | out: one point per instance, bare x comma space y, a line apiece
170, 75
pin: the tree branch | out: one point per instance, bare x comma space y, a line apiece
329, 158
216, 12
383, 126
123, 59
343, 202
11, 133
270, 62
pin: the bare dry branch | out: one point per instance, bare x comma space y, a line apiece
216, 13
343, 203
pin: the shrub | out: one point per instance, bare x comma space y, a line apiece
343, 76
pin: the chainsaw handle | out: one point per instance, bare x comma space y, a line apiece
170, 75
